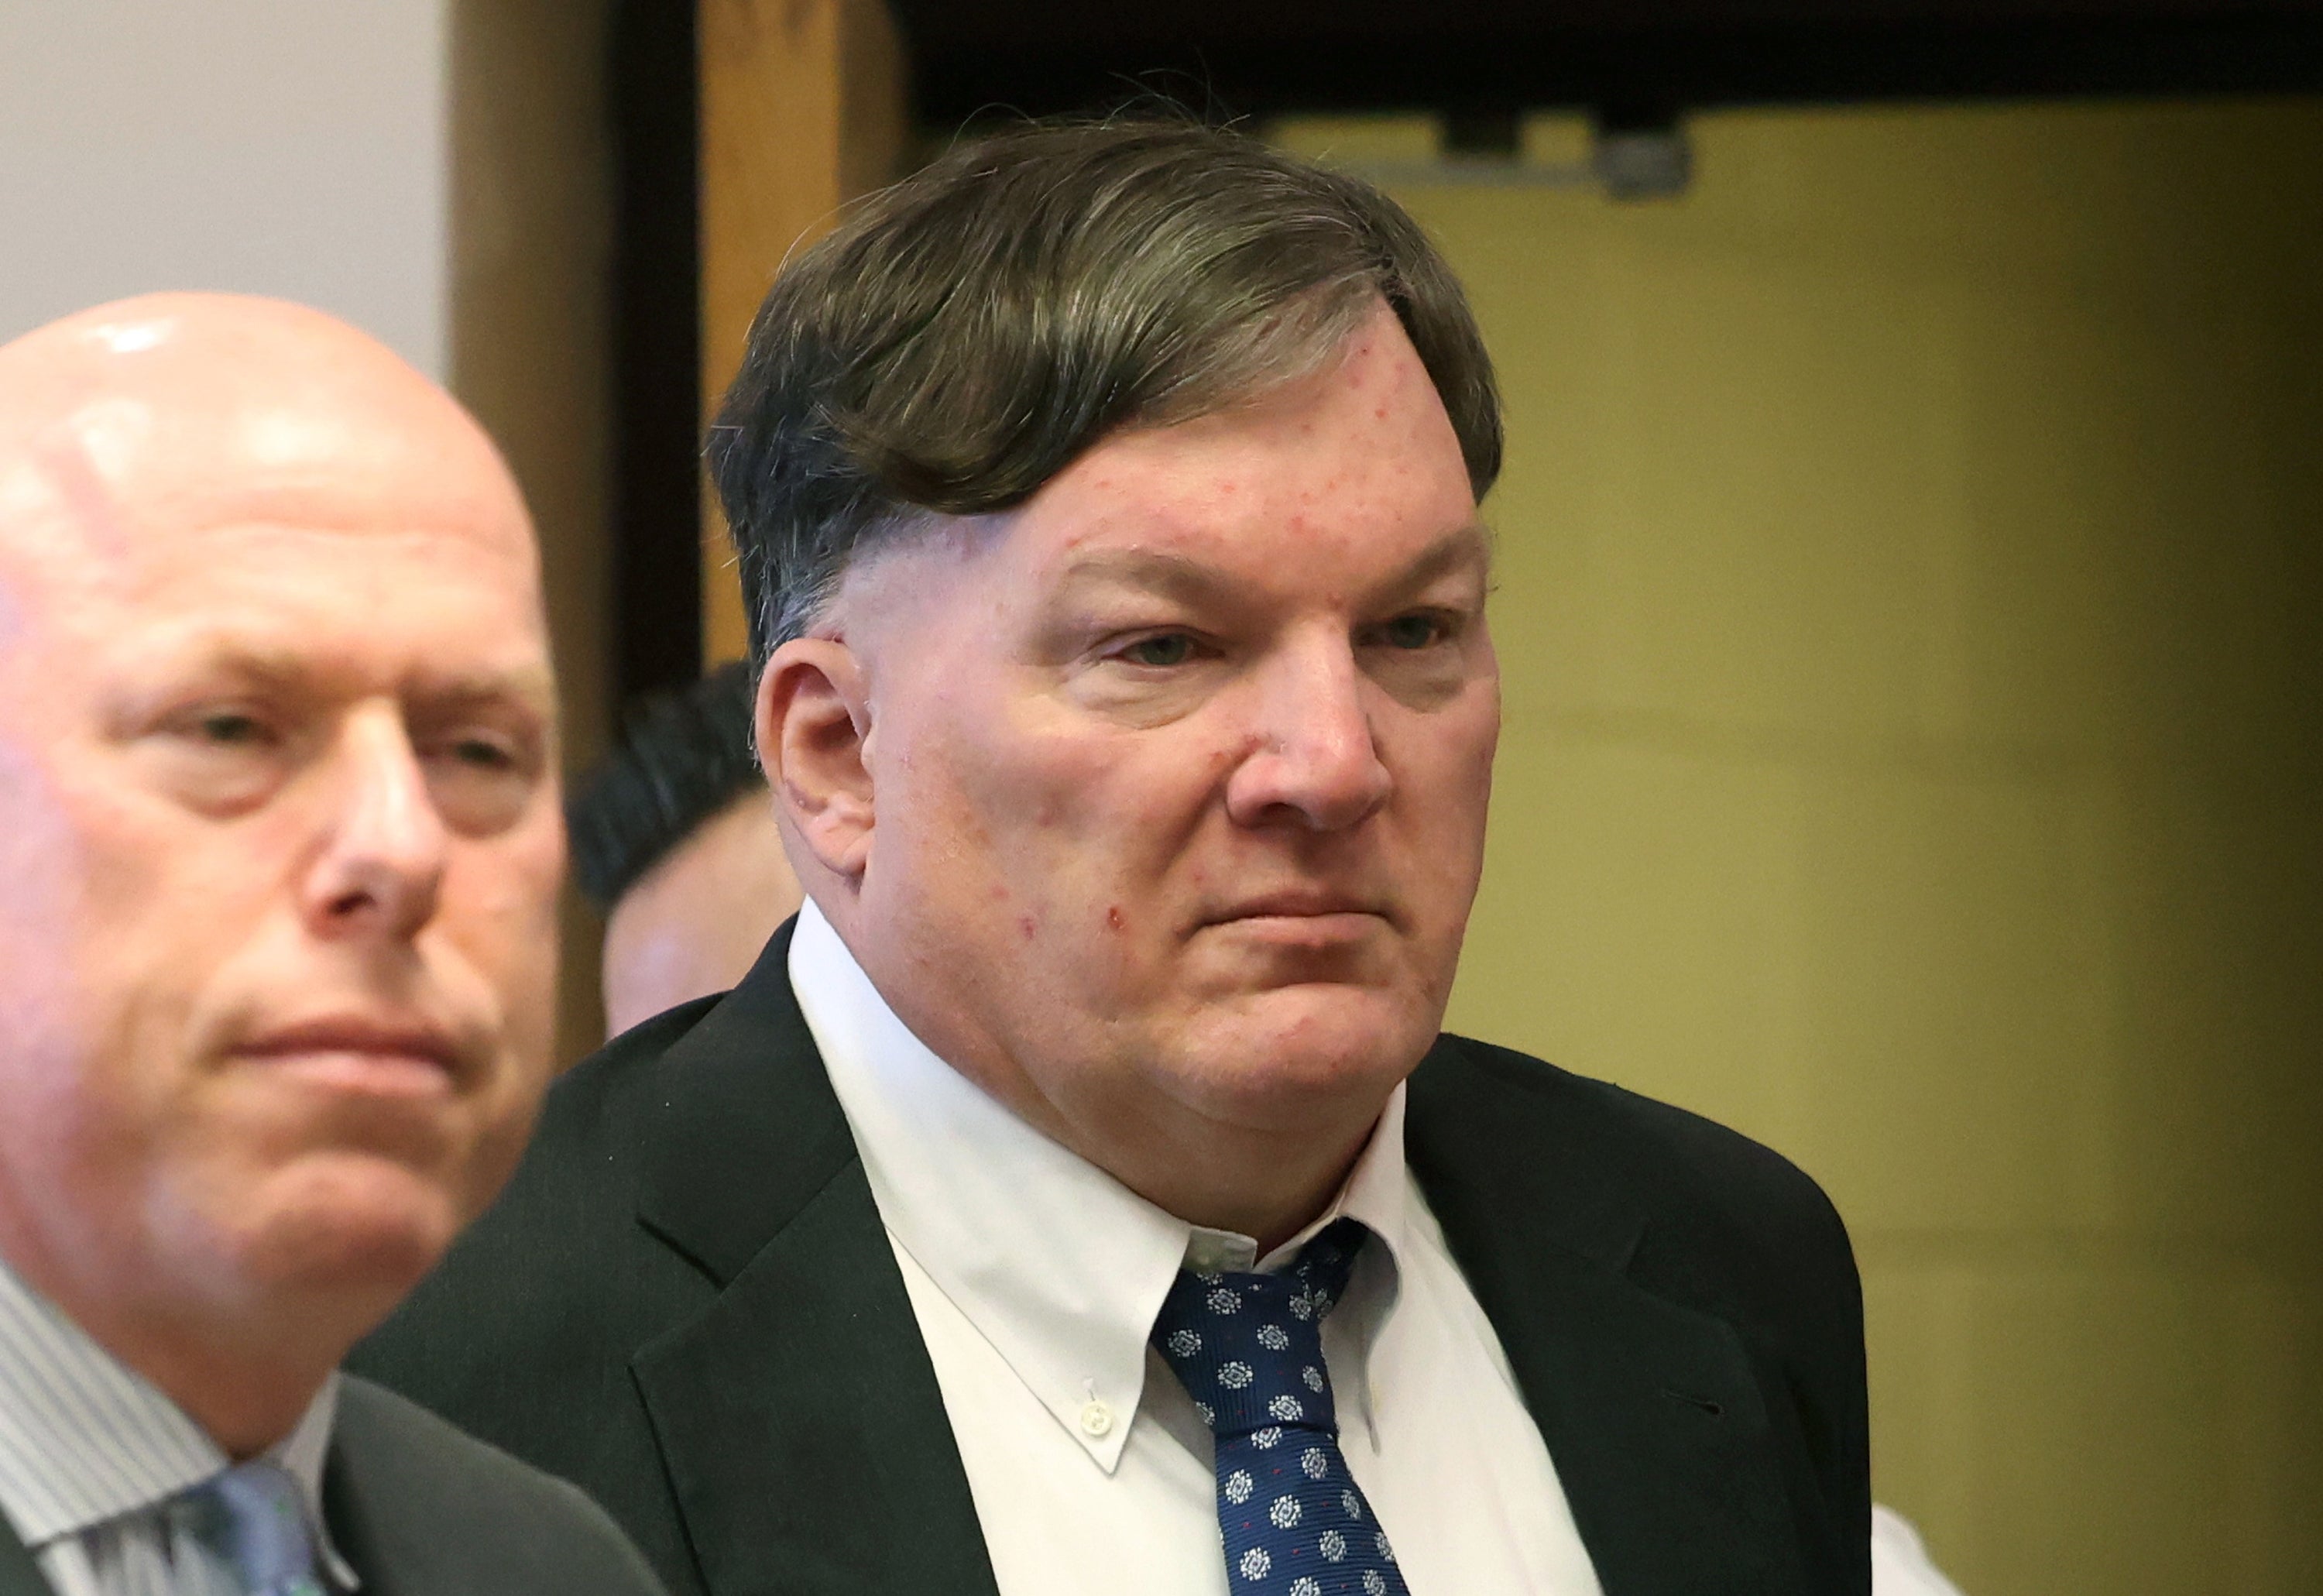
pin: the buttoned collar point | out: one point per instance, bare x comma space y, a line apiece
1057, 1265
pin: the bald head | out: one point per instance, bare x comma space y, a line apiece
167, 417
279, 837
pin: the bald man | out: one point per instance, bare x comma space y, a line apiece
280, 830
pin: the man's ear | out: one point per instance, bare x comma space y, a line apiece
813, 717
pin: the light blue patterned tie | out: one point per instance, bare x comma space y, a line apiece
1249, 1349
251, 1518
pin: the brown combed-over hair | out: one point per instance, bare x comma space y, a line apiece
967, 333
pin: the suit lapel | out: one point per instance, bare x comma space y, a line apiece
798, 1416
19, 1574
1651, 1410
367, 1531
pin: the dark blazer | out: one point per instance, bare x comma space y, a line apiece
420, 1510
686, 1303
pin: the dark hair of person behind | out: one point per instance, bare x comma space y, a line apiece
685, 755
965, 334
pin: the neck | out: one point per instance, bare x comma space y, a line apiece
1268, 1182
1260, 1169
1266, 1186
244, 1405
236, 1375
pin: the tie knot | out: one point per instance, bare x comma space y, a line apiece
1249, 1347
251, 1516
1323, 1264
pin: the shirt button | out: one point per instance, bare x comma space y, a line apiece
1097, 1419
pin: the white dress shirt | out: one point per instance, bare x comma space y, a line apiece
90, 1451
1036, 1278
1900, 1564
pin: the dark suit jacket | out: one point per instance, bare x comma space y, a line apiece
420, 1510
686, 1303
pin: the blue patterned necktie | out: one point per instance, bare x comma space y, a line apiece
1249, 1350
251, 1531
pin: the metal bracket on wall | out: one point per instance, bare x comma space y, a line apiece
1626, 161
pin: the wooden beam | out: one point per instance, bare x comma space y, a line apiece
529, 295
803, 109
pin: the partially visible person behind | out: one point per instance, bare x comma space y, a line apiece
279, 844
673, 838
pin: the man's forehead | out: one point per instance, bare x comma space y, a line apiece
124, 432
1326, 479
64, 513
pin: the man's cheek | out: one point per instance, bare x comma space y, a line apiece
1030, 814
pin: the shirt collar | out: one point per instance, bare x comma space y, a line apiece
1057, 1265
1374, 1196
84, 1439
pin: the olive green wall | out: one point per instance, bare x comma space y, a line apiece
1911, 595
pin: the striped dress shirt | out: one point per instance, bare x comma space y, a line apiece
91, 1455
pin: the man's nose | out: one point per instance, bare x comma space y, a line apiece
1314, 759
381, 864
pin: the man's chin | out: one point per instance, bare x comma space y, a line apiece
347, 1227
1290, 1046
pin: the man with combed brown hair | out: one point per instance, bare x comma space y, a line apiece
278, 853
1080, 1196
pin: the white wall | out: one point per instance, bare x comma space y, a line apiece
288, 146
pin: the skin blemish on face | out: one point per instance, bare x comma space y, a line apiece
64, 462
1113, 917
1027, 926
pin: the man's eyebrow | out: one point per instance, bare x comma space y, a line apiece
1176, 576
286, 670
1470, 544
1173, 576
532, 684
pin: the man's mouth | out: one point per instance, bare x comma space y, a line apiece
362, 1053
1301, 915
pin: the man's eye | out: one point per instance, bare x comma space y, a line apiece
231, 729
1170, 648
481, 779
482, 753
1412, 631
